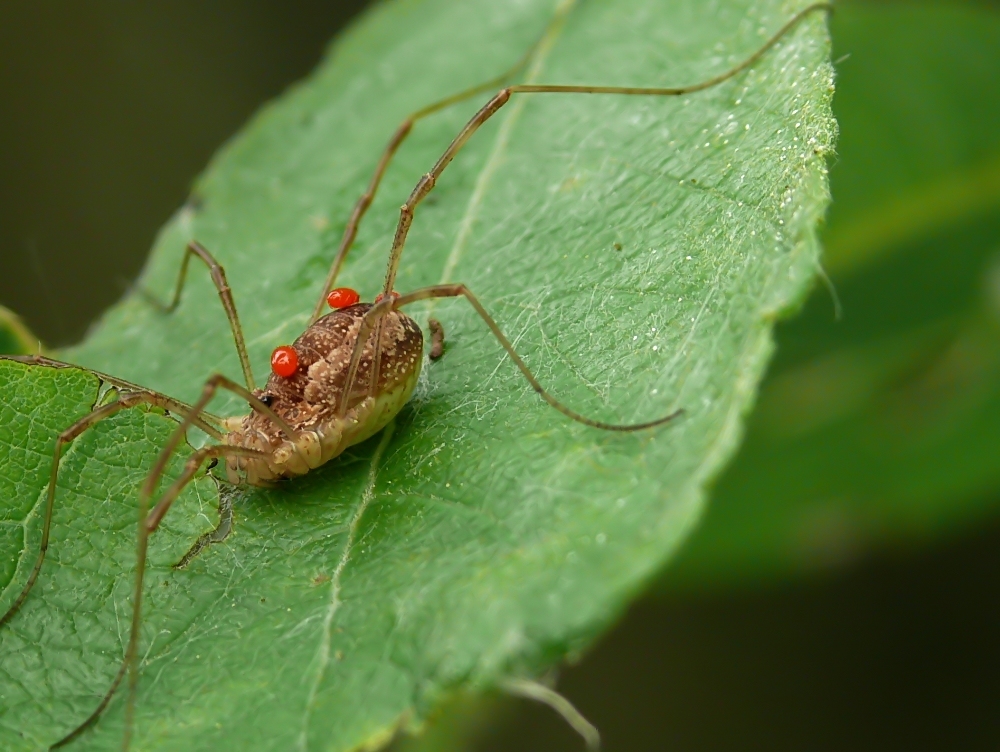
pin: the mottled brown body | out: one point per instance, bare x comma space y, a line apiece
309, 400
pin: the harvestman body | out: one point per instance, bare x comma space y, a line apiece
340, 382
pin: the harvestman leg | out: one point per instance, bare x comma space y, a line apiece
361, 207
380, 309
121, 384
193, 416
125, 400
195, 248
150, 521
427, 182
351, 230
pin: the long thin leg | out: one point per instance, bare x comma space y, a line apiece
212, 385
169, 403
195, 248
380, 309
351, 230
125, 400
426, 183
148, 523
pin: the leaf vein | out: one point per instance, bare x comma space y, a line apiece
323, 653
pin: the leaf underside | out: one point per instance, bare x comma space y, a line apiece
636, 250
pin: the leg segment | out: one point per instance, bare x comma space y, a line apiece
213, 385
148, 525
375, 314
351, 230
167, 403
426, 183
193, 415
125, 400
225, 294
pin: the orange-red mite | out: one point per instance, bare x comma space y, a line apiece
284, 361
342, 297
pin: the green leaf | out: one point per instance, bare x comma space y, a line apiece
15, 337
637, 251
884, 428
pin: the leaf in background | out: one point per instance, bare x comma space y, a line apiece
636, 250
15, 337
884, 426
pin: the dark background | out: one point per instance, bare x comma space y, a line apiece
109, 110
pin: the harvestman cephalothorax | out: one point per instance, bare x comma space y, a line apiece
343, 380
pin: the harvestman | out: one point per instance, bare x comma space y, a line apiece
341, 381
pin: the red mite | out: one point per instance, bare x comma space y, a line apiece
342, 297
284, 361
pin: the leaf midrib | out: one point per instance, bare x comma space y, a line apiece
333, 606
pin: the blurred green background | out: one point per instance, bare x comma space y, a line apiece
841, 592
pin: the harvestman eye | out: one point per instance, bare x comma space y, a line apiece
348, 374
